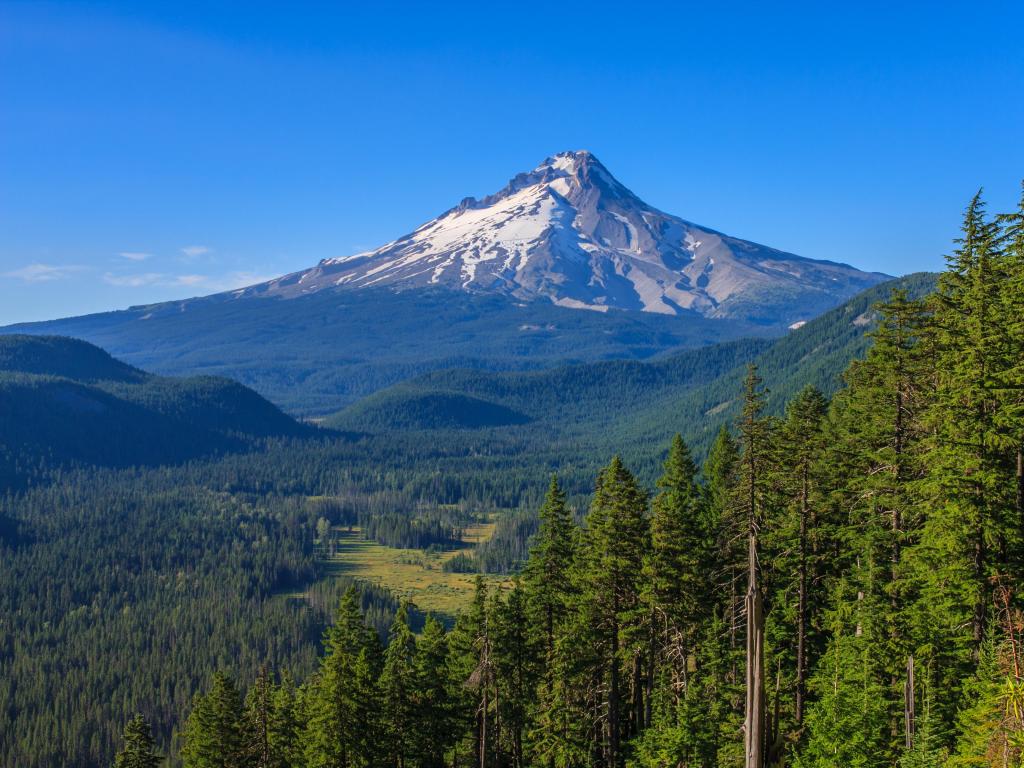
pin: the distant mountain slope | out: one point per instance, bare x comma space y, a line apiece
316, 353
635, 407
63, 400
576, 393
569, 232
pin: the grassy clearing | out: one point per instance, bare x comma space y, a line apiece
411, 573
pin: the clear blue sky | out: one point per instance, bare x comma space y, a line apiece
154, 150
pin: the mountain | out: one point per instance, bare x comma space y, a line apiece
493, 284
569, 232
66, 401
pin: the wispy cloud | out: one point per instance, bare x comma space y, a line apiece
135, 255
134, 281
190, 279
195, 251
212, 283
43, 273
234, 280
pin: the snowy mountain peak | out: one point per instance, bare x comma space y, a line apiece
569, 232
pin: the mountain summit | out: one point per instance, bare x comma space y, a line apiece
568, 231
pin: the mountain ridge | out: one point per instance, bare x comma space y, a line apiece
568, 231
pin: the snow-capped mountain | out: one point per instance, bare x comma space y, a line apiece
568, 231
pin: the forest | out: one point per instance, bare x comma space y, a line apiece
838, 586
831, 578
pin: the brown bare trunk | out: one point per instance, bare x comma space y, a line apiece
753, 729
801, 627
909, 716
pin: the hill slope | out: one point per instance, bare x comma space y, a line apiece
635, 407
314, 354
63, 400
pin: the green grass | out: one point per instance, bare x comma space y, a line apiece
410, 573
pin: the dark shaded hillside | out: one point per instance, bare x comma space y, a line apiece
66, 401
585, 392
61, 356
315, 354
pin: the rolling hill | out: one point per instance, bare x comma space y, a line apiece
64, 401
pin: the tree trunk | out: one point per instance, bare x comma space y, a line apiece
753, 728
909, 716
613, 703
801, 627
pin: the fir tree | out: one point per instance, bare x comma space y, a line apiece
213, 733
139, 750
338, 731
435, 728
615, 541
397, 690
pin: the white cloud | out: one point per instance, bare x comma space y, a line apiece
190, 279
134, 281
135, 255
212, 283
195, 251
43, 273
234, 280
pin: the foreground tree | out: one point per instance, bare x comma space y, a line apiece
139, 750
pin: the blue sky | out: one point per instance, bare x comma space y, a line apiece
151, 151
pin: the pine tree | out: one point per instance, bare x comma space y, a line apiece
727, 567
677, 584
283, 725
615, 541
213, 733
139, 750
848, 722
546, 574
397, 689
794, 545
435, 728
750, 502
469, 676
547, 584
338, 730
257, 719
515, 671
969, 485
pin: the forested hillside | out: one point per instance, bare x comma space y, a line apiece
628, 406
314, 354
839, 586
64, 402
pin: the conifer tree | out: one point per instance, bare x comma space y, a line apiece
546, 574
676, 583
139, 750
515, 671
399, 715
435, 728
338, 731
750, 501
615, 541
794, 544
283, 726
968, 487
213, 734
469, 676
